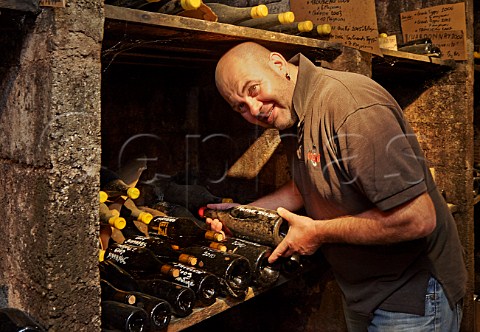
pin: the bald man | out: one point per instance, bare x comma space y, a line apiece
371, 204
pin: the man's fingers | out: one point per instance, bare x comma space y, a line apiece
278, 252
285, 214
215, 224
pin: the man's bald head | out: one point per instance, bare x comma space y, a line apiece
258, 84
247, 54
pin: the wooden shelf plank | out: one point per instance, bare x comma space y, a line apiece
130, 30
222, 304
409, 65
418, 58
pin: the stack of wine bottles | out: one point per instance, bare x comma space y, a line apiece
253, 14
158, 260
171, 7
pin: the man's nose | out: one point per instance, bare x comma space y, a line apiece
255, 106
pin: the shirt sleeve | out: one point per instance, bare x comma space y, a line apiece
381, 156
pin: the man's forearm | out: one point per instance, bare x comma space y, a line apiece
412, 220
286, 196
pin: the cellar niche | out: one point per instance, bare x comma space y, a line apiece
88, 85
167, 112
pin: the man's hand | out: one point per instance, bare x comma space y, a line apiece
215, 224
301, 238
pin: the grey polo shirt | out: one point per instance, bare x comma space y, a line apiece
354, 151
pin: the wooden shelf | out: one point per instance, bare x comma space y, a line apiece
200, 314
140, 37
403, 63
317, 266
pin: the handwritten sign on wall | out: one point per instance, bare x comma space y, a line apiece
354, 23
445, 25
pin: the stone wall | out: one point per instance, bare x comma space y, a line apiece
49, 163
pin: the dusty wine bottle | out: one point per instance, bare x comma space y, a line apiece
180, 298
158, 310
132, 229
123, 317
205, 285
111, 293
419, 46
269, 21
263, 273
233, 15
111, 184
182, 231
172, 209
233, 270
173, 7
190, 196
251, 223
16, 320
102, 196
109, 217
288, 266
294, 28
129, 209
320, 31
162, 249
115, 275
130, 3
133, 258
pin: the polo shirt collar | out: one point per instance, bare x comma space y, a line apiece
304, 81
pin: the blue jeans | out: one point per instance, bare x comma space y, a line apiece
439, 317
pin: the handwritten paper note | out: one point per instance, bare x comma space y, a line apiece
388, 43
445, 25
354, 23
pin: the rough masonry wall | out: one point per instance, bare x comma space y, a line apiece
49, 164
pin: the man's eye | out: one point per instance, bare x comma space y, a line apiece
241, 108
253, 90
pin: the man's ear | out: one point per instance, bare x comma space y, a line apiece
278, 63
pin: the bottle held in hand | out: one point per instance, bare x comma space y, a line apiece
251, 223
